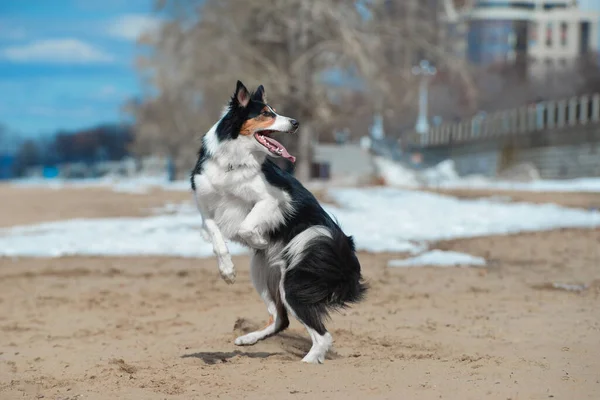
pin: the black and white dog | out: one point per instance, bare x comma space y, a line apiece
302, 262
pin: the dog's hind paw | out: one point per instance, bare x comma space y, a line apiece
247, 340
314, 358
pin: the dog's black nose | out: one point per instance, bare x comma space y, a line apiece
295, 124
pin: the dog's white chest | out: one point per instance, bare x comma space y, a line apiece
243, 184
229, 196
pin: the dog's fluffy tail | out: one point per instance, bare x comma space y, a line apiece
322, 274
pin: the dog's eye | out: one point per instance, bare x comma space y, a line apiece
266, 113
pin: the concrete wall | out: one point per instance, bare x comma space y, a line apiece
561, 162
557, 154
477, 163
346, 160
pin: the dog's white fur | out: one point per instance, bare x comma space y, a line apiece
235, 201
238, 203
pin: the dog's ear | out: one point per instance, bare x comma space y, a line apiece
242, 96
260, 95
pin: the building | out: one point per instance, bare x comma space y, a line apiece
537, 35
559, 35
346, 163
594, 7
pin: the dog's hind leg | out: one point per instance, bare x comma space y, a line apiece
266, 278
311, 315
308, 286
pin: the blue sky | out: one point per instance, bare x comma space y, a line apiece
589, 5
68, 64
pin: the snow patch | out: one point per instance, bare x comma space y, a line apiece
165, 235
380, 219
444, 176
569, 287
395, 220
395, 174
137, 185
439, 258
588, 185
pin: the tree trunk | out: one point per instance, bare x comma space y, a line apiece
303, 166
306, 133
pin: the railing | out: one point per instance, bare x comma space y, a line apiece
527, 119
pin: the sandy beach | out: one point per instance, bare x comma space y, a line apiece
163, 327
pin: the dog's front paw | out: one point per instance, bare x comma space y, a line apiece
227, 269
253, 239
205, 235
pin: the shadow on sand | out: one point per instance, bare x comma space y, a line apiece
214, 357
292, 345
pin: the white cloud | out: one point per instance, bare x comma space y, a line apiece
60, 51
131, 26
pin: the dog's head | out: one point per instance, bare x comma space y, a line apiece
250, 120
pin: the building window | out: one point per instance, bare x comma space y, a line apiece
533, 32
549, 34
584, 41
563, 33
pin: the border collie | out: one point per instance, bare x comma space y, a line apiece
302, 263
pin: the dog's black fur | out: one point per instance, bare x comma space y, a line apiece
326, 274
328, 277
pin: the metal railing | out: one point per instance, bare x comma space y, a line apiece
523, 120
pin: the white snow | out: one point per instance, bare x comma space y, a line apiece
591, 185
443, 172
136, 185
444, 176
164, 235
439, 258
569, 287
380, 219
388, 219
395, 174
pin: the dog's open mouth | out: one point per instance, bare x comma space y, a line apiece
273, 145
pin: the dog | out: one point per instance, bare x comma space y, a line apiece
302, 263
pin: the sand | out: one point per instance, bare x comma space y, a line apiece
163, 328
29, 205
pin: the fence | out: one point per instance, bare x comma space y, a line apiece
539, 117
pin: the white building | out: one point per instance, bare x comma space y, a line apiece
557, 36
544, 33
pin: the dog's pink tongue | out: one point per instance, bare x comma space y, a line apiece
284, 153
287, 155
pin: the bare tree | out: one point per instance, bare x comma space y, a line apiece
290, 46
503, 87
